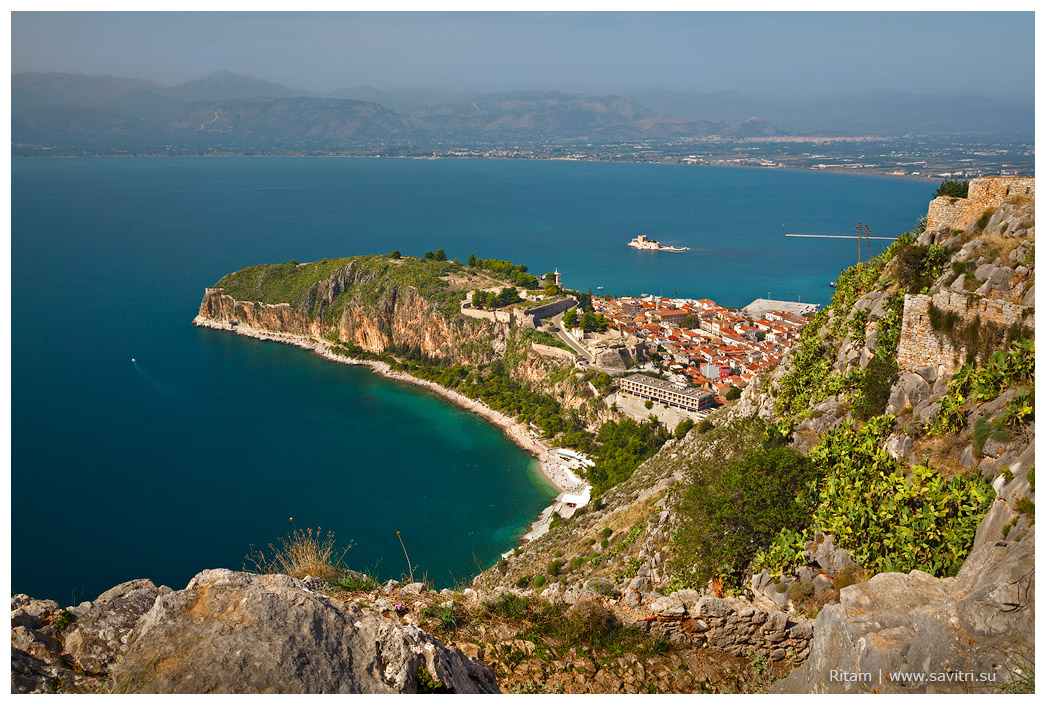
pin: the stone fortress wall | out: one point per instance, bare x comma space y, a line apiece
989, 192
922, 346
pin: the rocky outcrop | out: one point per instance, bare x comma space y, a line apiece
230, 632
98, 638
971, 633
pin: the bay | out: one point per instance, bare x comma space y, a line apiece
210, 443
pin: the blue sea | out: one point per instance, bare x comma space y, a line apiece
208, 443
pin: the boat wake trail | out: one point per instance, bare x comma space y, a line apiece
161, 388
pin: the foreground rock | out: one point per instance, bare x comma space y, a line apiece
230, 632
916, 633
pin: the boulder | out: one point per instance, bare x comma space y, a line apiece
233, 632
823, 551
898, 445
709, 606
978, 622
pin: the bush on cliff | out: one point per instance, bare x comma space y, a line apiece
953, 189
887, 520
730, 513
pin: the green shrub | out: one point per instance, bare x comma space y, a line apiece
649, 404
953, 189
800, 590
607, 532
780, 587
427, 683
732, 514
982, 222
983, 429
921, 521
874, 386
509, 605
849, 575
351, 581
705, 426
524, 581
539, 581
554, 567
446, 614
1025, 506
733, 393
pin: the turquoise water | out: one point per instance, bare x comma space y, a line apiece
209, 443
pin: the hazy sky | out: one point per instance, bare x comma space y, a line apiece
760, 54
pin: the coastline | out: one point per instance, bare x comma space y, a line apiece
556, 475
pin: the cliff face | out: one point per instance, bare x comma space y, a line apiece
401, 319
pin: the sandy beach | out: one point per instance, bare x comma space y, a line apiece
560, 477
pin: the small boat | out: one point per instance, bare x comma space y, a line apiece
831, 284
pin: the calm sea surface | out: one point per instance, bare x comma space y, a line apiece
209, 443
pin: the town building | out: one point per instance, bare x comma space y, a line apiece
662, 392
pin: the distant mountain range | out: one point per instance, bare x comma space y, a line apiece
76, 113
872, 112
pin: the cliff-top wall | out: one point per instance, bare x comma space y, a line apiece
985, 193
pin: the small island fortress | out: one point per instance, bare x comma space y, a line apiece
642, 242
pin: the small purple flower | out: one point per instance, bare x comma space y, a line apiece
400, 608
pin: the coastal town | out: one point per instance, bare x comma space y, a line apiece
697, 342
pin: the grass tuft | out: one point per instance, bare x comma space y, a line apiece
304, 552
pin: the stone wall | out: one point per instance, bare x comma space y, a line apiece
922, 346
552, 351
730, 624
499, 316
947, 213
532, 316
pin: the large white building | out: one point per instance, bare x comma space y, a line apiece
662, 392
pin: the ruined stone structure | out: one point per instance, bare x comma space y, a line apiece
948, 213
922, 346
730, 624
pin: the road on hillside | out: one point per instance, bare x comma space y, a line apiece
567, 338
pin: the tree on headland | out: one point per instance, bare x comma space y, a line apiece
429, 255
395, 254
440, 256
472, 260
